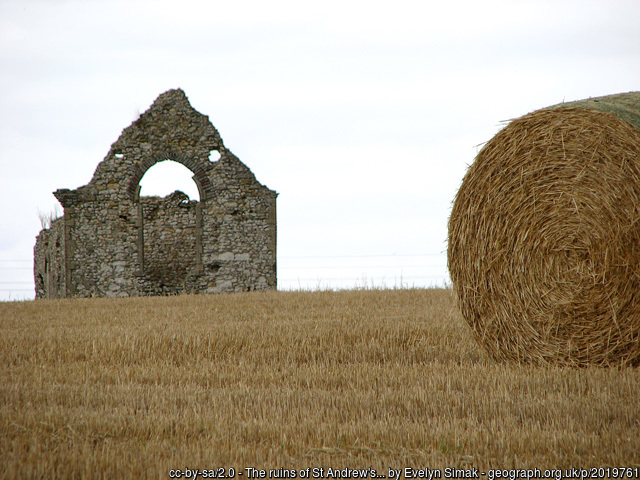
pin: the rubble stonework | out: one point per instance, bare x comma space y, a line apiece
112, 242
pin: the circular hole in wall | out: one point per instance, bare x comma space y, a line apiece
214, 156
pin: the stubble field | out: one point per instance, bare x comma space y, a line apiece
124, 388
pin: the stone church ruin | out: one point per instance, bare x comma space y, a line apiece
111, 242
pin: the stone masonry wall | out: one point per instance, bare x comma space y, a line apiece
49, 257
112, 242
169, 223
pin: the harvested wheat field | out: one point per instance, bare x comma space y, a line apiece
544, 236
133, 388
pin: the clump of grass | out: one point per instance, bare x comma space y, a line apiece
46, 219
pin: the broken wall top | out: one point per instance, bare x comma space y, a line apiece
171, 129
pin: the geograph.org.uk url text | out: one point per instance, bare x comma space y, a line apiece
251, 473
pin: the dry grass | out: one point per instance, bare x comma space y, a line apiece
107, 388
544, 237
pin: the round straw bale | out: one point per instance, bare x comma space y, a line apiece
544, 237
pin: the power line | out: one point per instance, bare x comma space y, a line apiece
342, 267
356, 279
366, 256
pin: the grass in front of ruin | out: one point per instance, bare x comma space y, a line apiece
360, 378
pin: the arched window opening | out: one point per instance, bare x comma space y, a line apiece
166, 177
169, 242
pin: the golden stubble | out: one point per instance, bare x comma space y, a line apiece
362, 378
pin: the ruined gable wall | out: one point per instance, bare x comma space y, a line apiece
118, 244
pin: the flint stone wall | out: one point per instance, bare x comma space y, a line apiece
112, 242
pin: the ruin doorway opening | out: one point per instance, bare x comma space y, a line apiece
170, 226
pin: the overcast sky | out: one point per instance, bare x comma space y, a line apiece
362, 115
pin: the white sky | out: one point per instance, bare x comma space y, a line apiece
363, 115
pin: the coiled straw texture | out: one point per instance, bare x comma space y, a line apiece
544, 237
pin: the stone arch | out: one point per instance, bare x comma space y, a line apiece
227, 239
167, 177
199, 168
